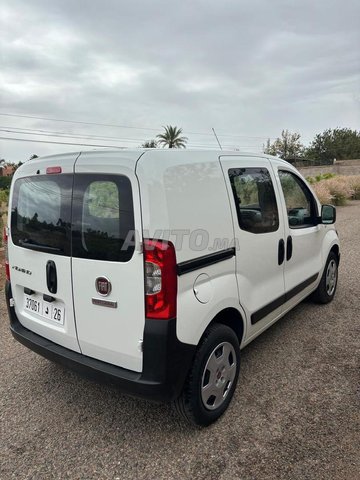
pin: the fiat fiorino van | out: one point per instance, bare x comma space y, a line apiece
152, 269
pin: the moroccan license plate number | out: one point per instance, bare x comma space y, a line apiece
52, 311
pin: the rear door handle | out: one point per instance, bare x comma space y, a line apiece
51, 276
48, 298
289, 247
281, 251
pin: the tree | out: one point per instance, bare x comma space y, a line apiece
339, 143
172, 138
5, 183
33, 156
288, 146
15, 166
150, 144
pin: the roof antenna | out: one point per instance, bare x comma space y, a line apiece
217, 139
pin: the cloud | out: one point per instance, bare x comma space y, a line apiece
249, 69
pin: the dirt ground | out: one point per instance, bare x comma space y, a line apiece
294, 415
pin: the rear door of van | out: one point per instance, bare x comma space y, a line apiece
40, 248
107, 263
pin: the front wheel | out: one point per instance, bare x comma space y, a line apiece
325, 292
213, 377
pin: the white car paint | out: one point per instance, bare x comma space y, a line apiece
173, 192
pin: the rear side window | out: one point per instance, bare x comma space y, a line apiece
255, 199
103, 217
41, 213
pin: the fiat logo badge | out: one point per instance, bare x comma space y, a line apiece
103, 286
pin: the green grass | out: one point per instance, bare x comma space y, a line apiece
320, 177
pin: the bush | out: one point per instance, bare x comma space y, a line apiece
321, 176
4, 197
340, 189
324, 176
5, 183
354, 182
335, 190
323, 193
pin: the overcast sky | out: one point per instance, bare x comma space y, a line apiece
247, 68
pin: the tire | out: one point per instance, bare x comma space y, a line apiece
212, 379
326, 289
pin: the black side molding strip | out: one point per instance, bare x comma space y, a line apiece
200, 262
264, 311
294, 291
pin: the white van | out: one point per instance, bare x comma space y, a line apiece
151, 269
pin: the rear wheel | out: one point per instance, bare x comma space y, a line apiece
212, 379
325, 292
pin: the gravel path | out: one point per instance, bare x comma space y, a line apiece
295, 414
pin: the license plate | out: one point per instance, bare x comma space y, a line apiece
52, 311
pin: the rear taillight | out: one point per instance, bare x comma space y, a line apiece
160, 279
7, 266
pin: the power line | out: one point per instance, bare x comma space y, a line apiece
47, 133
59, 143
106, 146
60, 135
67, 134
76, 121
126, 126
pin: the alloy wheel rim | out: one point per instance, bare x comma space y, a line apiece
218, 376
331, 277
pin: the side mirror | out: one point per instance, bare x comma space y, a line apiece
328, 214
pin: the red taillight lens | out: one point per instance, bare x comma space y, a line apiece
7, 266
52, 170
160, 279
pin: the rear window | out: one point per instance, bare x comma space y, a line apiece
86, 215
41, 213
103, 217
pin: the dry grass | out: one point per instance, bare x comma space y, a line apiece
3, 219
322, 192
338, 190
354, 182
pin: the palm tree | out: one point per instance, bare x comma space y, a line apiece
172, 137
149, 144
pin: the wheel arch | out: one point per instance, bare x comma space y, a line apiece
232, 318
336, 249
330, 243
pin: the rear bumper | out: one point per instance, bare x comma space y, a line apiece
166, 360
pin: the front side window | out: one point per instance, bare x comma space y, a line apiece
300, 204
255, 199
41, 213
103, 217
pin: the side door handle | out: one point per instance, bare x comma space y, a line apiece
289, 247
51, 276
281, 251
